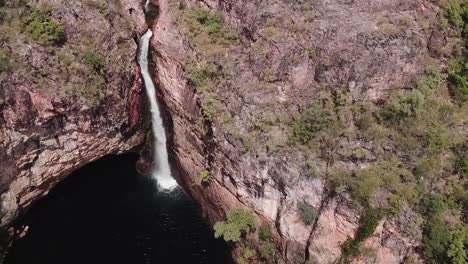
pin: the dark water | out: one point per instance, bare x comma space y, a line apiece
105, 213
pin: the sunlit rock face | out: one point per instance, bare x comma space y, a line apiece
65, 105
286, 57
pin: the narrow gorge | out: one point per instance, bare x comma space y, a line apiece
303, 131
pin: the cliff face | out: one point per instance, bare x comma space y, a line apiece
68, 99
233, 96
324, 118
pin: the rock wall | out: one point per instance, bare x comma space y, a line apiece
49, 129
351, 52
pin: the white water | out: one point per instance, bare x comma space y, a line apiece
161, 170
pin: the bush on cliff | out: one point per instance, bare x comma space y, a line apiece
44, 29
409, 105
457, 12
309, 123
308, 213
239, 221
458, 78
367, 224
202, 21
94, 61
204, 177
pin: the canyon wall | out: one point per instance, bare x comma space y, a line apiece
64, 104
232, 108
274, 101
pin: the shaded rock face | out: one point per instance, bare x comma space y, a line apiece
57, 112
353, 45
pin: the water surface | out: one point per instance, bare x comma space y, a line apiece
106, 213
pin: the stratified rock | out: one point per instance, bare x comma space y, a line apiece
53, 119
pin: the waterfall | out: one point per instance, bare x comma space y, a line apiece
161, 170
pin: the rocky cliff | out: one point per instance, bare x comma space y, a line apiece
70, 92
338, 125
293, 109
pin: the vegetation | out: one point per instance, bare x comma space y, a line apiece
67, 68
317, 118
205, 177
308, 213
267, 250
44, 29
461, 165
420, 127
444, 236
264, 233
389, 155
457, 14
405, 106
457, 249
239, 222
367, 224
436, 234
207, 32
211, 40
91, 59
458, 77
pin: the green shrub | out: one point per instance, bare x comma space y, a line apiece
205, 177
94, 61
457, 12
436, 238
309, 123
436, 234
308, 213
267, 251
239, 221
431, 81
202, 20
462, 166
207, 31
444, 238
248, 253
339, 180
211, 106
387, 175
409, 105
264, 233
457, 250
44, 29
367, 224
437, 140
367, 181
458, 78
202, 75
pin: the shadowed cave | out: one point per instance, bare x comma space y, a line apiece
107, 213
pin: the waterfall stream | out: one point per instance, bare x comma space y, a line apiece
161, 170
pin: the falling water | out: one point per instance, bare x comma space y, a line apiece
161, 170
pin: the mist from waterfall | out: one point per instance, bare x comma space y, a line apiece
161, 171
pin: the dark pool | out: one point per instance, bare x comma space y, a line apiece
106, 213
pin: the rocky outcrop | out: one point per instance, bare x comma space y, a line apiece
62, 113
366, 47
